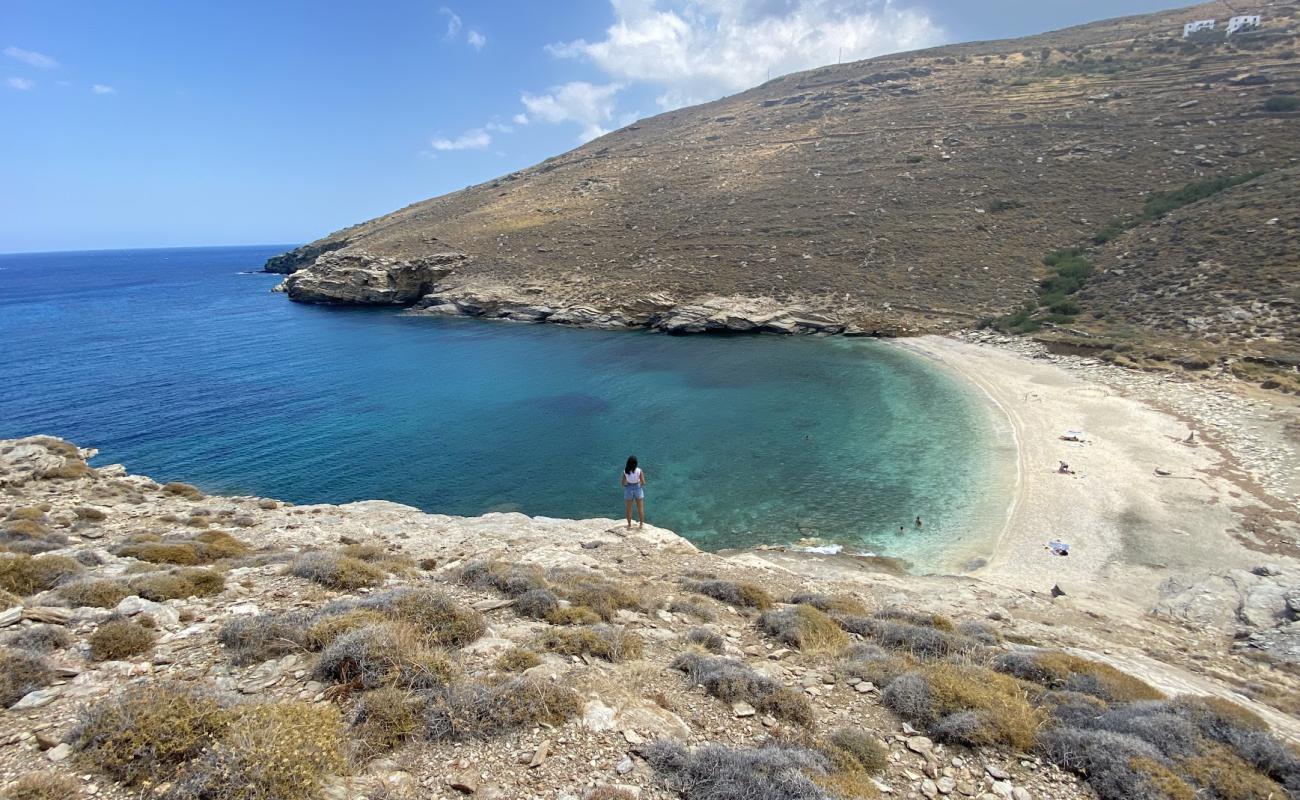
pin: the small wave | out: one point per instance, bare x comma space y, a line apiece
809, 545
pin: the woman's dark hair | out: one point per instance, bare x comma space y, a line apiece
631, 465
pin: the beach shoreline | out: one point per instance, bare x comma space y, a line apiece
1129, 528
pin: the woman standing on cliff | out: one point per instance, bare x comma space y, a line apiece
634, 490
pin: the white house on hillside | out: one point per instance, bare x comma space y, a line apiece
1197, 26
1244, 21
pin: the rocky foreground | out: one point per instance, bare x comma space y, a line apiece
160, 642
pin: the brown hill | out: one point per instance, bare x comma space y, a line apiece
917, 191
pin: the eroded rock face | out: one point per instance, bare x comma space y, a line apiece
358, 277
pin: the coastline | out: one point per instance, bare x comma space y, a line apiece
1129, 529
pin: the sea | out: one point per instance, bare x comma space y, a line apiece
182, 364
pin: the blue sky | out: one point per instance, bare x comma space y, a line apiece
137, 123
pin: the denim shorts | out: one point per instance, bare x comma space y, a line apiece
633, 491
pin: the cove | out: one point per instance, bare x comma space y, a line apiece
180, 366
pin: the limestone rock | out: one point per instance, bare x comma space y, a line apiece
358, 277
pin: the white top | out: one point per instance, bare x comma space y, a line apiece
633, 477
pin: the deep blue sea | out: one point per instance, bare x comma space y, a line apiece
182, 365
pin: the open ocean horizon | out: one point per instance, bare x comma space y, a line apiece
181, 364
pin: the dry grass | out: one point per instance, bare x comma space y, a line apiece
250, 639
604, 597
31, 513
178, 584
90, 513
119, 638
733, 681
147, 730
602, 641
436, 616
804, 627
706, 639
831, 604
324, 630
9, 599
388, 654
1057, 670
20, 673
478, 710
692, 608
188, 491
573, 615
179, 553
335, 571
387, 717
965, 704
509, 579
864, 748
517, 659
1223, 772
40, 639
273, 751
43, 786
24, 575
741, 594
94, 592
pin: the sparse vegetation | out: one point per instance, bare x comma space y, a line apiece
94, 592
178, 584
250, 639
609, 642
965, 704
22, 672
573, 615
741, 594
706, 639
537, 603
517, 659
40, 639
477, 710
511, 580
389, 654
387, 717
831, 604
1057, 670
1158, 204
119, 638
43, 786
188, 491
1282, 103
335, 571
438, 618
804, 627
773, 771
23, 575
733, 681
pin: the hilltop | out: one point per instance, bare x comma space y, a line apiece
907, 193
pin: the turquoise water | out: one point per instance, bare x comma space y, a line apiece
180, 366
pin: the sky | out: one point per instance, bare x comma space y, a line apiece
153, 123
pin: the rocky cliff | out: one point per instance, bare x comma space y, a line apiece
917, 191
160, 641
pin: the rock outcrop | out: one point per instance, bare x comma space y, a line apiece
358, 277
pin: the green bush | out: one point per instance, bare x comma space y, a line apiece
1282, 102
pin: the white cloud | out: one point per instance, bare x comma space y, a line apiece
520, 119
497, 127
100, 88
21, 84
698, 50
453, 23
31, 58
475, 39
589, 105
472, 139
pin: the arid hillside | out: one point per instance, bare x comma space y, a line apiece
917, 191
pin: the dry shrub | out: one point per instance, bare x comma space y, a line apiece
609, 642
831, 604
1057, 670
706, 639
602, 596
509, 579
607, 792
774, 771
692, 608
9, 599
70, 469
870, 662
437, 617
147, 731
733, 681
178, 584
188, 491
1162, 782
40, 639
179, 553
537, 603
517, 659
399, 563
387, 717
334, 571
573, 615
21, 672
119, 638
43, 786
23, 575
871, 756
90, 513
920, 641
94, 592
745, 595
388, 654
1230, 778
478, 710
217, 545
25, 528
804, 627
30, 513
328, 627
922, 618
251, 639
1117, 766
964, 704
197, 521
274, 751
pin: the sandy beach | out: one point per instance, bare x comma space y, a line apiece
1128, 527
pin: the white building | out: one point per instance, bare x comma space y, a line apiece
1244, 21
1197, 26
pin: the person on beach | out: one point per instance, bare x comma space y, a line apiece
634, 491
918, 521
